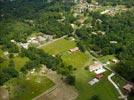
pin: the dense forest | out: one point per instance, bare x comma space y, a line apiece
20, 18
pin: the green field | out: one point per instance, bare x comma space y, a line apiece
20, 62
76, 59
26, 89
106, 58
59, 46
119, 80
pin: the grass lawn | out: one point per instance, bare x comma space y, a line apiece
26, 89
119, 81
76, 59
59, 46
103, 89
20, 62
106, 58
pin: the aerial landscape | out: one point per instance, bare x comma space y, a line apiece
66, 49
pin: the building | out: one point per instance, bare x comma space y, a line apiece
99, 76
97, 68
128, 88
74, 49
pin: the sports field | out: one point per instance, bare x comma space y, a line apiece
59, 46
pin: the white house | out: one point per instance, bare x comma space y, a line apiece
97, 68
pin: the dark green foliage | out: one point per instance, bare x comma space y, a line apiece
95, 97
38, 57
70, 79
118, 28
7, 73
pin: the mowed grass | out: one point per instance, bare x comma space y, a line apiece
26, 89
20, 62
59, 46
103, 89
76, 59
106, 58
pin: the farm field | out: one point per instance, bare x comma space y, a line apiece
59, 46
26, 88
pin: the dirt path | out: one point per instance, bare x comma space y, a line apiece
60, 91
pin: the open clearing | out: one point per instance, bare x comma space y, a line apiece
59, 46
26, 88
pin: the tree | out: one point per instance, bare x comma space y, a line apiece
95, 97
70, 79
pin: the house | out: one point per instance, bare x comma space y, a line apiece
74, 49
97, 68
128, 88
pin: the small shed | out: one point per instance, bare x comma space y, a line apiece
74, 49
99, 76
